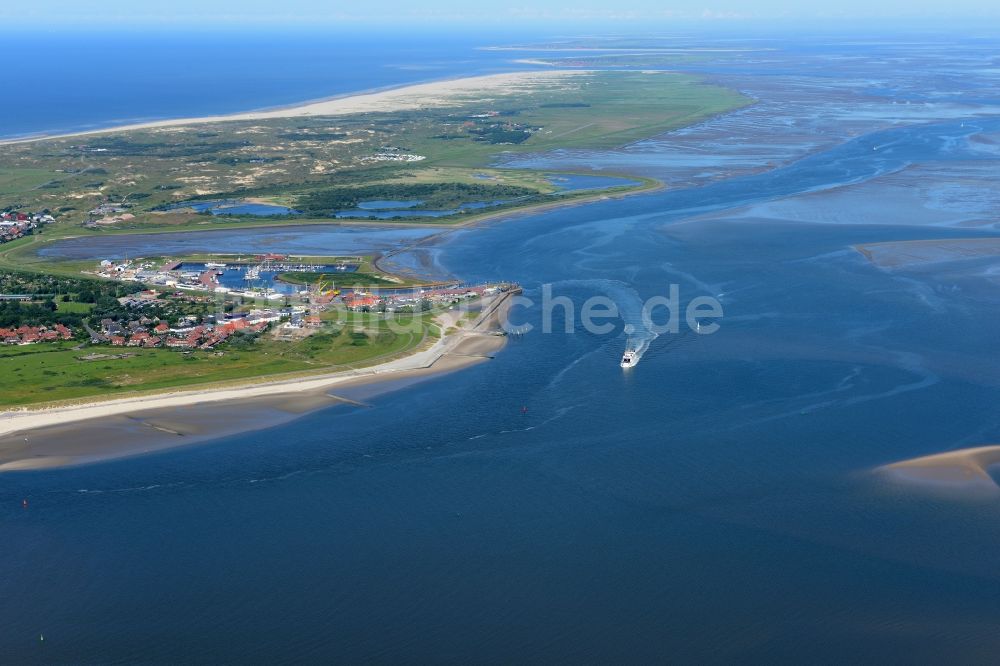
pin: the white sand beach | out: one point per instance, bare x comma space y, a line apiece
435, 94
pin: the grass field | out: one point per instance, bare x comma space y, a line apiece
15, 183
74, 307
620, 107
56, 372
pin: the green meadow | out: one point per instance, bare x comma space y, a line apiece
57, 372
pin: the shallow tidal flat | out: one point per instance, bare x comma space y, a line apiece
147, 431
928, 194
905, 254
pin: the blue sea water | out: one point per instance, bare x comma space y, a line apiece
712, 506
79, 80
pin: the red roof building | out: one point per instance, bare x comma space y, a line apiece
360, 301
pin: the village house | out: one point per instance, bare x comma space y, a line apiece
26, 335
358, 301
14, 225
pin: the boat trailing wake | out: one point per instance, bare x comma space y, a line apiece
629, 305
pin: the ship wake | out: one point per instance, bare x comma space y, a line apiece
638, 337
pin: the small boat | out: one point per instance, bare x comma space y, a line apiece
629, 359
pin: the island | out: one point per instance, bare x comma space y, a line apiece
115, 330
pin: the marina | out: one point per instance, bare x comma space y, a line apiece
260, 277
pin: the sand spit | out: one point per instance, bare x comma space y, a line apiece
963, 472
436, 94
96, 431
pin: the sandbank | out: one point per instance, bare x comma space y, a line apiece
964, 471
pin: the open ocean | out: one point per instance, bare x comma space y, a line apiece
79, 81
713, 505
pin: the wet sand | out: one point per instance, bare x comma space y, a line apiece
963, 472
98, 431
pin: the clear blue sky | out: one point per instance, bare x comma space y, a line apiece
314, 12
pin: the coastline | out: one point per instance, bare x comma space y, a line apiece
34, 439
434, 94
450, 353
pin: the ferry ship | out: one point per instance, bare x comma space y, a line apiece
214, 264
629, 358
